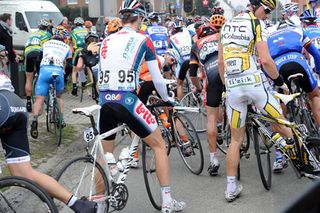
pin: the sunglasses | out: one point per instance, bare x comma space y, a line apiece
267, 10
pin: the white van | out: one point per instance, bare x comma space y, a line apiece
26, 16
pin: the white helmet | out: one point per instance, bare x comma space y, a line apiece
290, 7
174, 54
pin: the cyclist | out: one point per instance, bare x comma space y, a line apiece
181, 41
114, 26
55, 52
313, 4
217, 10
286, 47
289, 12
204, 53
78, 35
33, 56
241, 38
309, 22
14, 139
88, 25
89, 57
158, 34
121, 55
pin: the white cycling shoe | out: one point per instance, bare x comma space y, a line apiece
231, 196
279, 166
174, 206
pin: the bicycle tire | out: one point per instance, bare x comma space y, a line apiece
265, 174
308, 121
48, 114
150, 178
199, 119
81, 93
57, 122
74, 177
29, 185
33, 89
196, 144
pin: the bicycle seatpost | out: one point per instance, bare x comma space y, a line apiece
93, 124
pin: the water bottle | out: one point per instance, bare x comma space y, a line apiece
280, 142
111, 163
123, 158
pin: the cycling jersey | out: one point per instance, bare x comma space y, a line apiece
145, 74
182, 42
313, 32
245, 82
205, 53
54, 53
35, 42
159, 37
78, 36
5, 82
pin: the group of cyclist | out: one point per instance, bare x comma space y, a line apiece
243, 57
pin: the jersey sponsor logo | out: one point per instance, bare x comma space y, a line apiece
208, 48
104, 48
18, 109
129, 47
129, 100
145, 114
234, 36
112, 97
235, 28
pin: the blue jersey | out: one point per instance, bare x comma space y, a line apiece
159, 37
313, 32
292, 39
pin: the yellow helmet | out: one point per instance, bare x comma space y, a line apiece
271, 4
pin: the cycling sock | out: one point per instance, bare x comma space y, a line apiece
166, 195
278, 155
231, 186
72, 200
74, 85
213, 156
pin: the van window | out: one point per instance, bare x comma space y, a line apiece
20, 23
35, 17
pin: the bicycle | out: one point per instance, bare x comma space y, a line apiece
33, 87
89, 176
18, 194
300, 156
53, 111
300, 109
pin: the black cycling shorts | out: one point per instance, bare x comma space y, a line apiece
125, 107
13, 128
33, 60
183, 70
214, 89
146, 89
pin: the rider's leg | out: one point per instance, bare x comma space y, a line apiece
181, 77
29, 78
315, 105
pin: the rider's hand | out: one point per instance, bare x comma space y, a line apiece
284, 87
171, 102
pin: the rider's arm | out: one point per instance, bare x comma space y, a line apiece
221, 62
311, 48
154, 70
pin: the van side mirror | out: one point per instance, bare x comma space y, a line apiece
22, 27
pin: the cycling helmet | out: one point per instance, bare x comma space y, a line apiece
312, 1
153, 16
91, 35
308, 16
78, 21
271, 4
217, 10
88, 24
217, 21
44, 22
61, 33
2, 48
114, 26
173, 54
205, 30
171, 25
134, 7
290, 7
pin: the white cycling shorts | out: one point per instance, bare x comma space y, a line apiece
247, 89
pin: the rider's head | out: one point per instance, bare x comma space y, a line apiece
217, 10
133, 14
308, 17
205, 30
44, 24
313, 3
153, 17
78, 21
176, 28
171, 57
3, 56
114, 26
217, 21
61, 34
91, 37
261, 8
289, 9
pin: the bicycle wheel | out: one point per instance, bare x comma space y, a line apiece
76, 176
33, 89
263, 158
49, 125
199, 119
18, 194
193, 160
57, 121
150, 177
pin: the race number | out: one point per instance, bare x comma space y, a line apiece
117, 80
88, 134
157, 44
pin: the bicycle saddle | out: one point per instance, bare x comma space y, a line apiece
286, 98
54, 75
295, 76
87, 111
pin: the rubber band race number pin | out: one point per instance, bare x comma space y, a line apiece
88, 135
